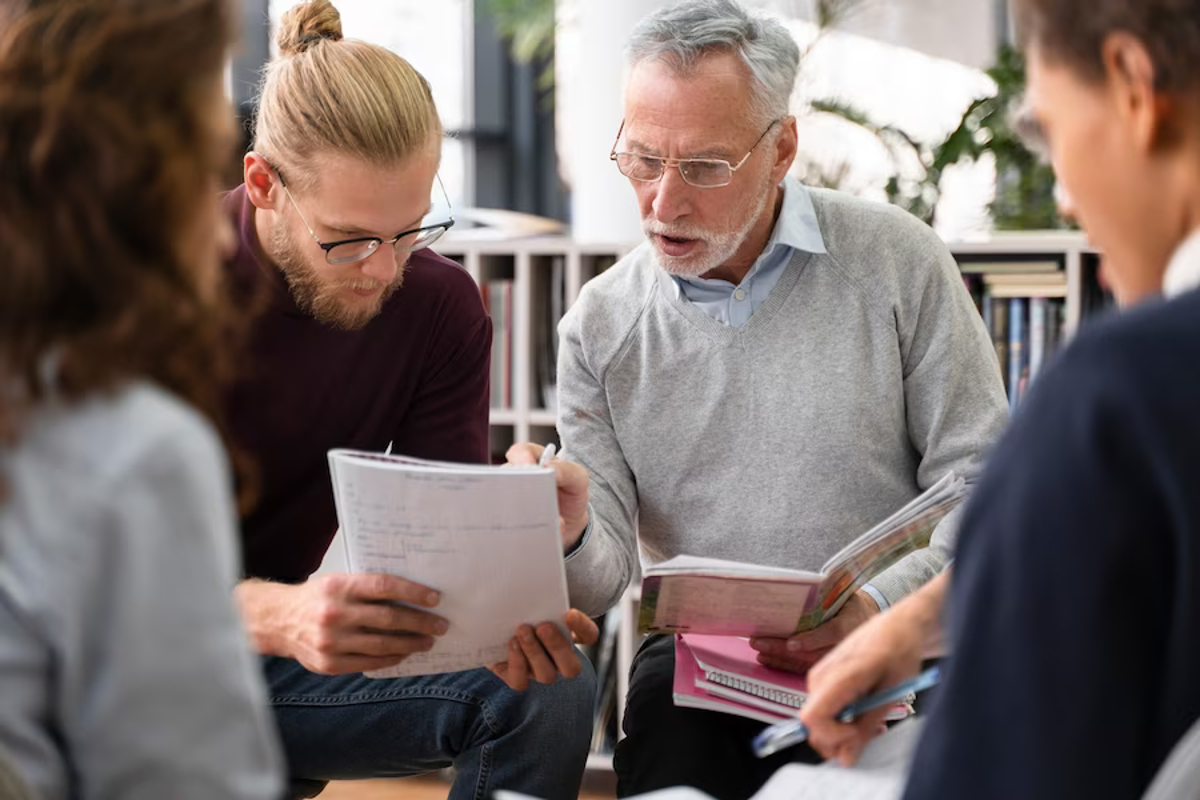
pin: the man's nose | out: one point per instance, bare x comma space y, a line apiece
382, 264
671, 196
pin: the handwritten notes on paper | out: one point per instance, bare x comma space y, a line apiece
485, 537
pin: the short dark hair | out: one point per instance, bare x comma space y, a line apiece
1072, 33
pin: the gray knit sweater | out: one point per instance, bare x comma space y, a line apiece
865, 377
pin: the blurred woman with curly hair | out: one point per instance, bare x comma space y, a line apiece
124, 671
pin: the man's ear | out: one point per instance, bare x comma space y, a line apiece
786, 144
262, 182
1143, 111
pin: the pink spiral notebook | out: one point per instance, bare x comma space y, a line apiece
722, 673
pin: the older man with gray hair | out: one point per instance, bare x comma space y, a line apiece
773, 371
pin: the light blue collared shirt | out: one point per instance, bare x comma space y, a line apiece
796, 229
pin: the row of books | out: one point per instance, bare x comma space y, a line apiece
1026, 317
498, 301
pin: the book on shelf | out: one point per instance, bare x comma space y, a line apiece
722, 673
1039, 316
498, 300
549, 309
1019, 285
687, 594
973, 267
1018, 364
485, 537
999, 329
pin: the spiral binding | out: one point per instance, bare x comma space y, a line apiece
780, 696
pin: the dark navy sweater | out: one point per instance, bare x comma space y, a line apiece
1075, 608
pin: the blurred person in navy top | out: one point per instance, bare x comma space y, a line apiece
1074, 607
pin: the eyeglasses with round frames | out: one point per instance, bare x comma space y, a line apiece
703, 173
348, 251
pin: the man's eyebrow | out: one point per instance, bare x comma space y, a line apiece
349, 230
634, 146
714, 153
354, 232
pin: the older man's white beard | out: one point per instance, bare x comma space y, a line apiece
718, 247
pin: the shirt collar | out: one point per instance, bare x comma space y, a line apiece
1183, 273
797, 229
797, 225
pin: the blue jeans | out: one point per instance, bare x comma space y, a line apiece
350, 726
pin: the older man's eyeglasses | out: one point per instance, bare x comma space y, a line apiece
348, 251
705, 173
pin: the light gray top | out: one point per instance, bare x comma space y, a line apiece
124, 669
865, 377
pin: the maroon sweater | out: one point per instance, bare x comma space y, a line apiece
415, 376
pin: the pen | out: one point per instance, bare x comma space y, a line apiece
547, 454
785, 734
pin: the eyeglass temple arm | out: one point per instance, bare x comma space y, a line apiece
612, 154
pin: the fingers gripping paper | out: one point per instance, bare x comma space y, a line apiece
485, 537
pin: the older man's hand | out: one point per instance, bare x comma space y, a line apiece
798, 653
572, 482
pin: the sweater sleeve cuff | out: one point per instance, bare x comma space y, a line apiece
875, 594
587, 532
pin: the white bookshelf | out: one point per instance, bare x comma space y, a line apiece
526, 262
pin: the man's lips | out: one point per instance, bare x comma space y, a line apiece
676, 246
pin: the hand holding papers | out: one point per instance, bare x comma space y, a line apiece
486, 538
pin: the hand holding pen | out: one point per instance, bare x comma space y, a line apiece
571, 481
785, 734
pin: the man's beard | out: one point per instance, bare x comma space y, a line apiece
718, 247
319, 297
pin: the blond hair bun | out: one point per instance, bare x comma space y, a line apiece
307, 24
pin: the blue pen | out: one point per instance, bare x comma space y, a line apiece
785, 734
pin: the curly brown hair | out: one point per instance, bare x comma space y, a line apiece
1072, 32
108, 153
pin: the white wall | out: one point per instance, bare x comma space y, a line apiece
957, 30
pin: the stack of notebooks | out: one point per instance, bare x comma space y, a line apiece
722, 673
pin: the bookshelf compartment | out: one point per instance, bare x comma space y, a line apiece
500, 438
547, 304
544, 434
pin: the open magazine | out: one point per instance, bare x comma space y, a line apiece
687, 594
